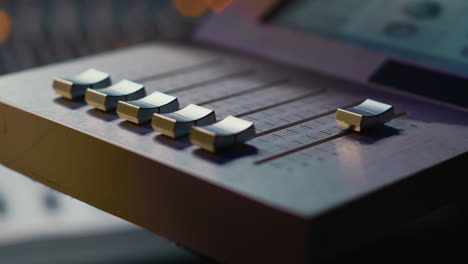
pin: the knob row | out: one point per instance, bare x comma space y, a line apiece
129, 100
131, 103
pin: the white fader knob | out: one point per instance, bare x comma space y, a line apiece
75, 87
142, 110
223, 134
179, 123
367, 115
106, 99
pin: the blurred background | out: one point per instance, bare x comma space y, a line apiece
39, 225
34, 33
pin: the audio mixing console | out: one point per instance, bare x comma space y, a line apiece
301, 184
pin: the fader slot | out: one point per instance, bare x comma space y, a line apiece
294, 137
297, 112
356, 153
230, 87
251, 100
160, 69
198, 77
301, 137
199, 68
261, 100
303, 147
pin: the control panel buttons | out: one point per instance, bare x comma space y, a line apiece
75, 87
106, 99
367, 115
179, 123
141, 111
223, 134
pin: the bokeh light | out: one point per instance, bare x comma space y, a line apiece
218, 5
5, 26
197, 8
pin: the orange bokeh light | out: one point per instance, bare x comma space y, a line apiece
197, 8
5, 26
218, 5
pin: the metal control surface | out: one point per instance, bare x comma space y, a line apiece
301, 168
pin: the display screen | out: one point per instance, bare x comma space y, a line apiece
431, 32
